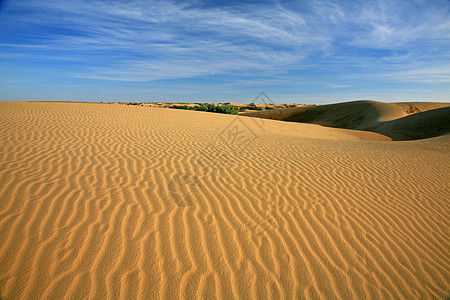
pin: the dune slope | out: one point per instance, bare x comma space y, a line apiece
421, 125
372, 116
114, 201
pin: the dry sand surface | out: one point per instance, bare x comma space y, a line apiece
399, 121
113, 201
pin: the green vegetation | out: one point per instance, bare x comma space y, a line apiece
222, 109
180, 107
227, 108
251, 107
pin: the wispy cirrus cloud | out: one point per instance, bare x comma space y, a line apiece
438, 74
337, 42
156, 36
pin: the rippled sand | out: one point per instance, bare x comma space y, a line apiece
113, 201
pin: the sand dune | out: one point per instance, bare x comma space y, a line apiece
372, 116
113, 201
435, 122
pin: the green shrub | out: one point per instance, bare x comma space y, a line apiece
223, 109
179, 106
251, 107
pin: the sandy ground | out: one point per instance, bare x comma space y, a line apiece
113, 201
399, 121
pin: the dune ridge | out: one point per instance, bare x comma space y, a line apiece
115, 201
399, 121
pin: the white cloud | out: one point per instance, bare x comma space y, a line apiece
424, 75
151, 40
174, 32
396, 24
340, 86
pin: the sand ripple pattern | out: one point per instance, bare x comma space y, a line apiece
107, 201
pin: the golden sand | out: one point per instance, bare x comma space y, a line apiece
112, 201
399, 121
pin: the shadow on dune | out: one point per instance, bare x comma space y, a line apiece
422, 125
399, 121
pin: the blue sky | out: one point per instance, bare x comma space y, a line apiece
199, 51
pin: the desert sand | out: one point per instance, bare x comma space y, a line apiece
113, 201
399, 121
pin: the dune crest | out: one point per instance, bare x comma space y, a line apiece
395, 120
114, 201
